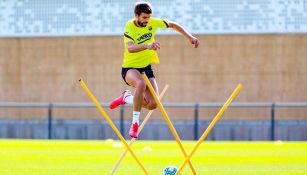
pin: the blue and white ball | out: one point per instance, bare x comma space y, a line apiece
170, 170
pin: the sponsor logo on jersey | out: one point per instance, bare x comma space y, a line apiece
144, 38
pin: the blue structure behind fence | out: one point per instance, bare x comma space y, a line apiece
50, 128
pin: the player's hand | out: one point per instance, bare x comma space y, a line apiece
153, 46
194, 41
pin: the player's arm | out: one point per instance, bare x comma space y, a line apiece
193, 40
132, 48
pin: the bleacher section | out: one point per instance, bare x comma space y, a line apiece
107, 17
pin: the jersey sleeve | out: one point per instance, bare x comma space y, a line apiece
128, 33
160, 23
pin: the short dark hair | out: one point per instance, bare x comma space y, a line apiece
142, 7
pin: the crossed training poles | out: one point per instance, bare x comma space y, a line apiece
140, 129
170, 125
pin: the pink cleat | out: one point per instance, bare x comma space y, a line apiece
120, 100
134, 130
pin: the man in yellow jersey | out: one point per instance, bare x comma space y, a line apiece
140, 53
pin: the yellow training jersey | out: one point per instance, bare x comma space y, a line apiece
140, 36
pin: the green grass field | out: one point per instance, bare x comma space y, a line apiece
43, 157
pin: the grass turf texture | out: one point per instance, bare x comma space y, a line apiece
55, 157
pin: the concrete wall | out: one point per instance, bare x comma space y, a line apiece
271, 68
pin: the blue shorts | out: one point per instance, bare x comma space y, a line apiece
148, 71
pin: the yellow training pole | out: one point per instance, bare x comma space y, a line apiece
111, 124
169, 123
140, 129
216, 118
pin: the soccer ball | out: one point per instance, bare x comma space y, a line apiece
170, 170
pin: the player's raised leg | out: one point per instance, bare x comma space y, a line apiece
150, 101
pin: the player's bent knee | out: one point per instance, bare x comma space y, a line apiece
152, 106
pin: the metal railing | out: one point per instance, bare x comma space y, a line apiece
195, 105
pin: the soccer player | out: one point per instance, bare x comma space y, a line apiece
140, 52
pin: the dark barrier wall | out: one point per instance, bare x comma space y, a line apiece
157, 130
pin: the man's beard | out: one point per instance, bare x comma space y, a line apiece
142, 24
